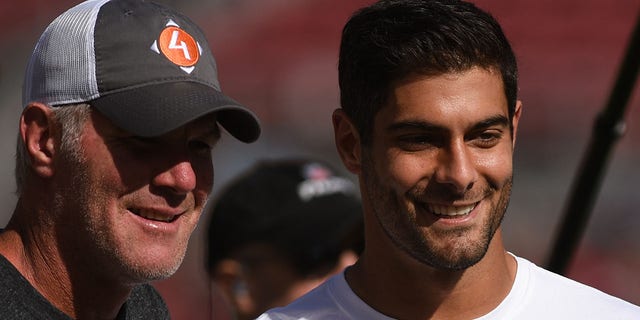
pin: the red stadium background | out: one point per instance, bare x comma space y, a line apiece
280, 58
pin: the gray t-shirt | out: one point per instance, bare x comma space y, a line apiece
19, 300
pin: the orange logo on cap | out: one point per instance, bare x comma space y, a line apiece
179, 46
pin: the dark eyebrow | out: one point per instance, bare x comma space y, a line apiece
419, 125
496, 120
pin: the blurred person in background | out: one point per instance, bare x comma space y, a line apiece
280, 229
122, 108
428, 122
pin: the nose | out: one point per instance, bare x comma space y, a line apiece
179, 177
456, 168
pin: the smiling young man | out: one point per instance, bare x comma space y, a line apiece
428, 123
114, 165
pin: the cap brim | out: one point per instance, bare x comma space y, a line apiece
156, 109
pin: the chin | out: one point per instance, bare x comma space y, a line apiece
464, 261
143, 274
457, 254
151, 266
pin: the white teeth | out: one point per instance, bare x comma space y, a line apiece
451, 210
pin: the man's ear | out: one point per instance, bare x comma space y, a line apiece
515, 121
37, 132
347, 141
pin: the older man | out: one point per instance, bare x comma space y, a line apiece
114, 166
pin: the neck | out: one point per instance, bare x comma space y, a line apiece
30, 243
399, 286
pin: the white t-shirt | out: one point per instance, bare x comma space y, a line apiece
536, 294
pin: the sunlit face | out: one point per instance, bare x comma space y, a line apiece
438, 173
133, 202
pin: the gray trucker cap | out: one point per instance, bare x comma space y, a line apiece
146, 67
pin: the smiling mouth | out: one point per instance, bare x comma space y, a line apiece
451, 211
153, 215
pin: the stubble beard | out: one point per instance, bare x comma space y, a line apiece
399, 224
94, 242
110, 246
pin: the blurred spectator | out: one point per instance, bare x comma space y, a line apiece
279, 230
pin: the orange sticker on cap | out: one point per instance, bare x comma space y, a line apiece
179, 46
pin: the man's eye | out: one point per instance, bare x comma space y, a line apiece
142, 142
200, 146
488, 139
418, 142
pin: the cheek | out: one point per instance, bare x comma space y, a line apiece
496, 167
102, 168
406, 170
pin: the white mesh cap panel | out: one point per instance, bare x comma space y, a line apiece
62, 67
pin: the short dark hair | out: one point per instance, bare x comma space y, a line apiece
393, 39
